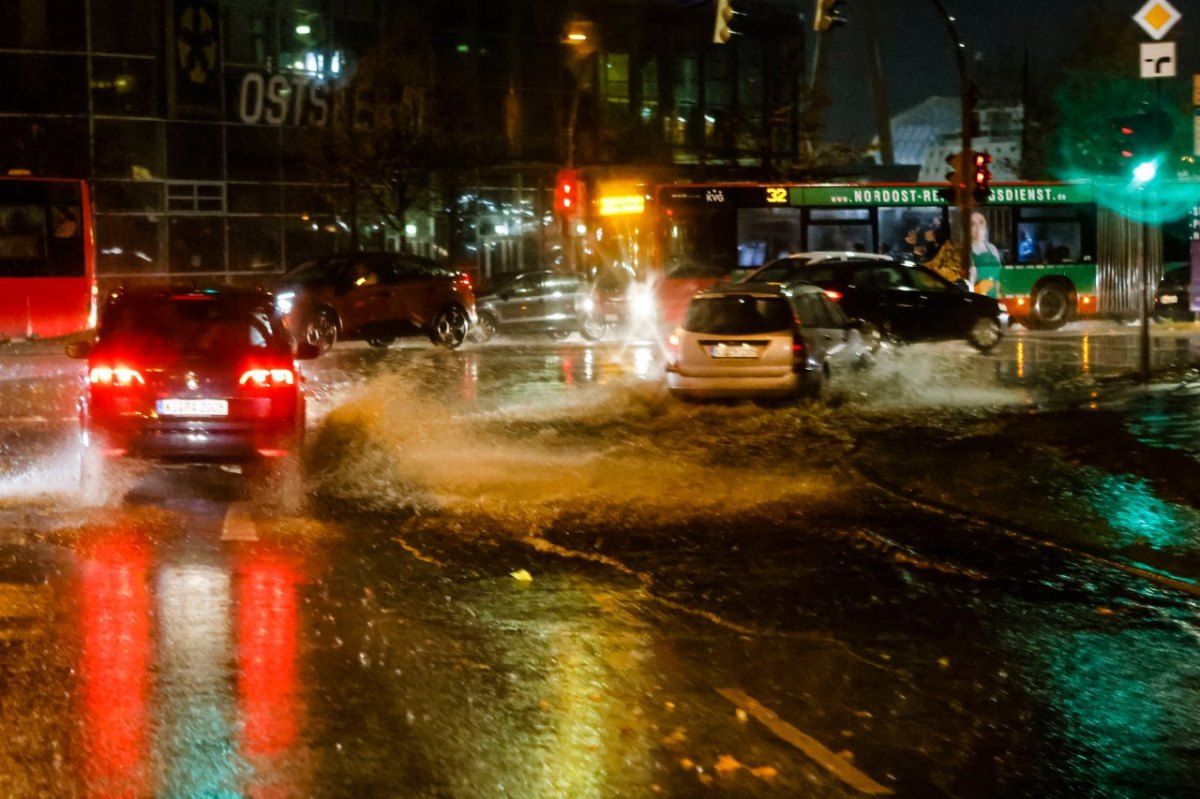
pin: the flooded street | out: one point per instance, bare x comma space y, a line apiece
521, 569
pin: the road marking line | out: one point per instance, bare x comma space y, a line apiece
417, 554
806, 744
238, 525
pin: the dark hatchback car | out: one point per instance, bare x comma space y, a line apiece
1172, 299
901, 299
377, 297
192, 375
553, 303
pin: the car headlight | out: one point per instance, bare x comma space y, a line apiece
587, 304
285, 302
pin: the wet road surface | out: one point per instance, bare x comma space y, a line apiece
521, 570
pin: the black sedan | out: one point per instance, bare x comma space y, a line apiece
902, 299
1172, 300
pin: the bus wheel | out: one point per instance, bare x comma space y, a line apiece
1051, 307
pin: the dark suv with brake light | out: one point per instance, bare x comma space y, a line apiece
192, 375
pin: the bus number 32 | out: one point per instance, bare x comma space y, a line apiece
776, 194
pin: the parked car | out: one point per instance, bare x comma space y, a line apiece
545, 301
181, 374
764, 340
1172, 299
901, 299
377, 297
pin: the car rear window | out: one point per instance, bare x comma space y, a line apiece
1177, 278
191, 325
738, 314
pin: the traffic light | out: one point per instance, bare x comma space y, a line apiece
954, 179
721, 30
828, 14
981, 177
1142, 141
568, 192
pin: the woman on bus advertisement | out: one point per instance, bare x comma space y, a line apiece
985, 257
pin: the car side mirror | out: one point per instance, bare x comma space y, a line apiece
505, 296
306, 351
79, 349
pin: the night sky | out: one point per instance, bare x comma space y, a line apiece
918, 56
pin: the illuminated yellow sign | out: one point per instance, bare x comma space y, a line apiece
776, 194
622, 204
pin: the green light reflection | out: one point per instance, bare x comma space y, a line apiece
1137, 516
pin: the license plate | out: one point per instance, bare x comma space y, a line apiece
734, 351
612, 317
193, 407
1168, 299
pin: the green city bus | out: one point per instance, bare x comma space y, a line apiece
1049, 251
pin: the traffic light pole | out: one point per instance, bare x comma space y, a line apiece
1144, 291
964, 88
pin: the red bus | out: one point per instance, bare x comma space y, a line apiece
47, 258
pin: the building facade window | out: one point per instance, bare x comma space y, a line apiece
127, 26
126, 86
128, 245
42, 25
129, 149
40, 83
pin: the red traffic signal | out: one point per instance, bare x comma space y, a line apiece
568, 192
981, 176
1145, 135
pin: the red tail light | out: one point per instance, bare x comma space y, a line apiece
115, 376
833, 295
799, 351
267, 378
463, 278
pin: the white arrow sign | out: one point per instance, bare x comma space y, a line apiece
1158, 59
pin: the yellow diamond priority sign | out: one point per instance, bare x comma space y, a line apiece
1157, 17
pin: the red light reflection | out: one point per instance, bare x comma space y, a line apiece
266, 630
113, 666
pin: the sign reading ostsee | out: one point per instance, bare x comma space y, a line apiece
279, 99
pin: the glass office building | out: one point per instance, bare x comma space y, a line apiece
201, 124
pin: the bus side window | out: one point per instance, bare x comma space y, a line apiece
22, 232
